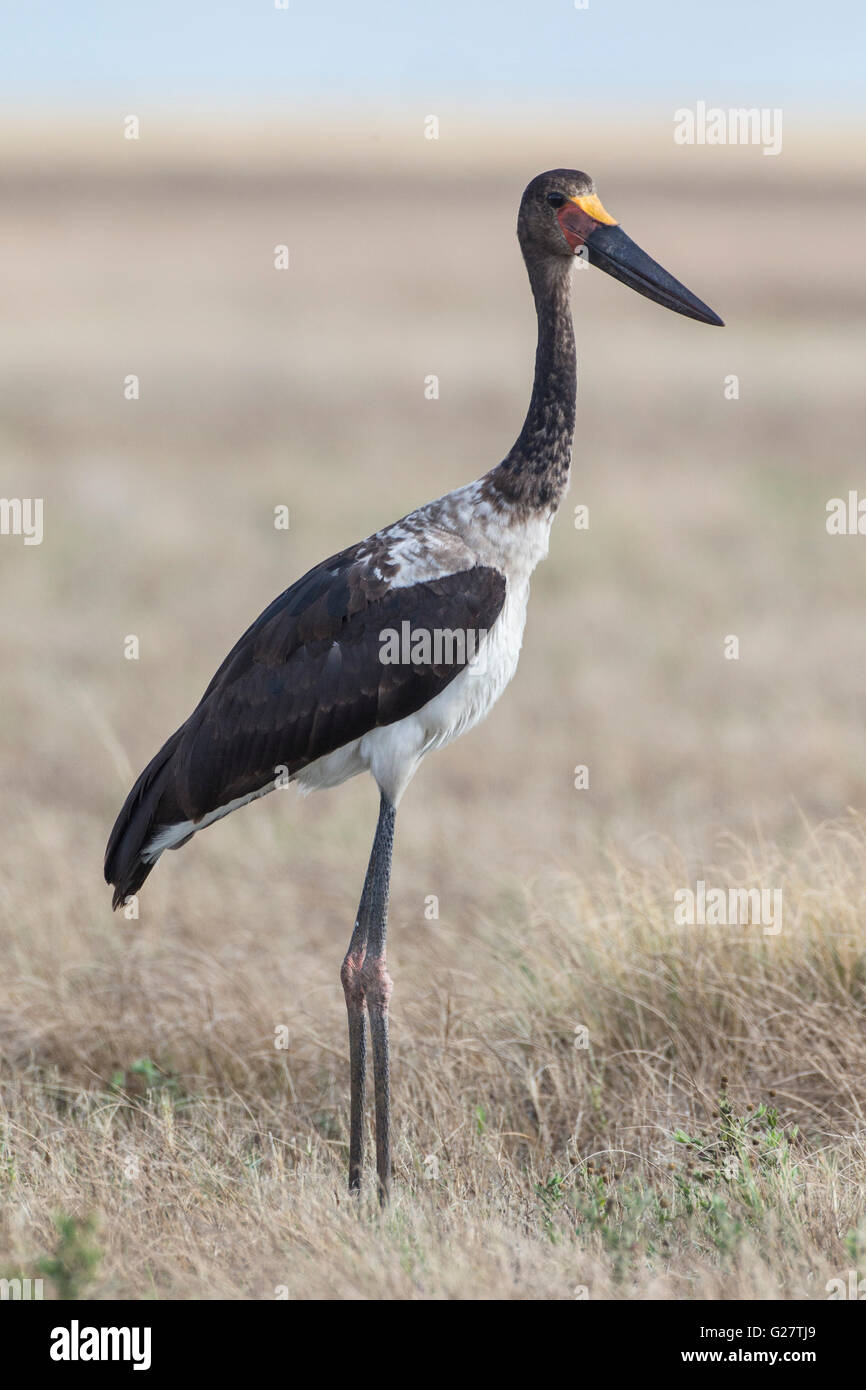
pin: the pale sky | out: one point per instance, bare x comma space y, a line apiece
246, 54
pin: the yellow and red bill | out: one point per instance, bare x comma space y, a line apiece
586, 224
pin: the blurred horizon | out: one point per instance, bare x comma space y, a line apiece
289, 142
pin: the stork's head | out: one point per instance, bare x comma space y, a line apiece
561, 215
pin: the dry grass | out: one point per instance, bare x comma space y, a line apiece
139, 1081
147, 1088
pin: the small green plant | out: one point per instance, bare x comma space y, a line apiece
726, 1180
145, 1077
552, 1194
327, 1124
855, 1246
620, 1212
736, 1169
74, 1262
592, 1203
740, 1147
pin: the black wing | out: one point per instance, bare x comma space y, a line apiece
304, 680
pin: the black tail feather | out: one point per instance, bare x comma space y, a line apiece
149, 805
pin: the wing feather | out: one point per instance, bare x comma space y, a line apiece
307, 677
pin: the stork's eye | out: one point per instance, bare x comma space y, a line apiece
556, 200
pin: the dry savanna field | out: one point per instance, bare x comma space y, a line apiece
590, 1098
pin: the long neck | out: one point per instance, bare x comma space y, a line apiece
534, 473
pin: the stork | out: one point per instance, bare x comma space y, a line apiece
398, 644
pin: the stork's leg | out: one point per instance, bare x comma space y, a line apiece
377, 983
353, 989
365, 980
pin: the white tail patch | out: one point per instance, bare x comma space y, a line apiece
173, 836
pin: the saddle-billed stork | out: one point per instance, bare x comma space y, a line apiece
399, 644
